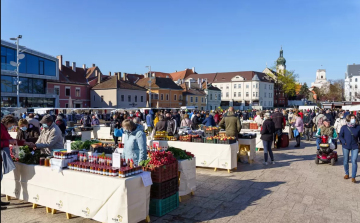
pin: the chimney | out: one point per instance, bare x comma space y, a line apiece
193, 69
84, 66
67, 63
153, 75
99, 78
125, 76
118, 76
110, 73
93, 65
189, 84
60, 61
74, 66
96, 73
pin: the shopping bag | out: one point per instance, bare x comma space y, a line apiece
296, 133
14, 151
8, 164
332, 146
118, 132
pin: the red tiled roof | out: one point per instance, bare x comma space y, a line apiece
247, 75
161, 74
182, 74
67, 75
194, 92
133, 78
113, 83
210, 77
159, 82
89, 71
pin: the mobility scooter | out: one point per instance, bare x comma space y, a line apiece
325, 153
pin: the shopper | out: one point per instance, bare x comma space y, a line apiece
95, 121
60, 123
171, 124
349, 138
231, 124
161, 125
137, 121
186, 122
196, 121
150, 120
319, 118
134, 140
267, 136
280, 122
299, 126
327, 130
85, 120
115, 124
308, 124
259, 121
339, 122
209, 120
32, 120
27, 132
330, 117
50, 137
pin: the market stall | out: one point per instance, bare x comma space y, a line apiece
104, 199
249, 146
101, 132
218, 156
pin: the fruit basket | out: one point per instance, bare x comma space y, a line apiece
197, 139
210, 139
164, 189
226, 140
160, 207
162, 173
185, 138
253, 126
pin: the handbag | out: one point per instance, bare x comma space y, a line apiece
296, 133
7, 162
354, 138
117, 132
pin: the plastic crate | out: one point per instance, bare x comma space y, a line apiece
160, 207
164, 189
228, 141
210, 141
198, 139
185, 138
245, 125
163, 173
253, 126
209, 133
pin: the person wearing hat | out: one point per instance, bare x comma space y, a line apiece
267, 136
327, 130
50, 136
308, 124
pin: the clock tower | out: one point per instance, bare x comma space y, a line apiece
281, 63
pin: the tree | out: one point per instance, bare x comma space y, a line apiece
286, 80
332, 92
304, 91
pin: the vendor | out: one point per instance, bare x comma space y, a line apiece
231, 124
95, 121
50, 137
134, 140
27, 132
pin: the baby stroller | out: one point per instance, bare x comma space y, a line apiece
325, 153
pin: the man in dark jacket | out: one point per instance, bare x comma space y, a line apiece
279, 121
330, 117
177, 117
231, 124
150, 120
267, 136
196, 121
308, 124
209, 121
161, 125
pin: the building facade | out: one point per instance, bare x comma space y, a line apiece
35, 70
114, 92
352, 82
321, 81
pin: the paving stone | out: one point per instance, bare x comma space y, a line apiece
308, 200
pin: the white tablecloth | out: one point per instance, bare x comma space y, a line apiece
222, 156
187, 170
101, 198
101, 132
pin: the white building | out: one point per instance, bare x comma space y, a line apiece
352, 81
320, 79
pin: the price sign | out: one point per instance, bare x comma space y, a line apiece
146, 178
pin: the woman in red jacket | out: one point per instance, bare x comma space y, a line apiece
7, 123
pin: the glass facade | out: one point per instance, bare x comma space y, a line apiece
30, 64
28, 85
28, 102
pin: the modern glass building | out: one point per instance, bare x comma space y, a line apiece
34, 71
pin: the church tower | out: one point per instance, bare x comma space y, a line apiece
281, 63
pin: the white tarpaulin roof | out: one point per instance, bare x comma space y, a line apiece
354, 108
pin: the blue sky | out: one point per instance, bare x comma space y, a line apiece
170, 35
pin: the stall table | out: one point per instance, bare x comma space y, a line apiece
252, 144
101, 132
102, 198
218, 156
187, 172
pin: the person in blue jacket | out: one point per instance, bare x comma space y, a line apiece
349, 137
209, 120
150, 120
134, 140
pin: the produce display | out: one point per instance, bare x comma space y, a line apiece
28, 156
180, 154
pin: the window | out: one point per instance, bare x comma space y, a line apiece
94, 97
239, 85
211, 96
219, 96
191, 99
227, 86
196, 99
269, 86
66, 105
41, 67
202, 99
122, 97
247, 94
180, 97
355, 79
167, 97
142, 99
350, 94
77, 92
253, 85
221, 87
350, 80
135, 99
265, 93
355, 93
129, 98
216, 96
161, 97
175, 97
247, 86
239, 94
67, 91
102, 98
234, 85
156, 96
269, 95
227, 94
257, 94
253, 94
57, 90
256, 85
264, 103
265, 88
234, 94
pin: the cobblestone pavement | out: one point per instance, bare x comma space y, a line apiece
295, 189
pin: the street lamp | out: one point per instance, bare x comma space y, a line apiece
17, 64
150, 78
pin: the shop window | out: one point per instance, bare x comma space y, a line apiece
77, 92
129, 98
142, 99
67, 91
122, 97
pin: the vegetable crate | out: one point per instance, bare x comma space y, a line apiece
164, 189
210, 141
198, 139
160, 207
209, 133
186, 138
246, 125
163, 173
253, 126
227, 141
